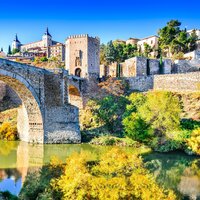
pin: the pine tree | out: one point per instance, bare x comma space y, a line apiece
110, 52
9, 50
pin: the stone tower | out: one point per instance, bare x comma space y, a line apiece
16, 44
47, 38
82, 56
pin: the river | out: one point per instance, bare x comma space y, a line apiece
175, 170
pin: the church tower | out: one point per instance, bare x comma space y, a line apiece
16, 44
47, 38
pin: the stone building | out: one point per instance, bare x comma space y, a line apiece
44, 47
132, 41
136, 67
118, 41
45, 42
152, 41
82, 56
57, 50
197, 31
16, 44
189, 32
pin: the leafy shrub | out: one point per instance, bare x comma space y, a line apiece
109, 112
7, 195
168, 145
194, 141
44, 59
117, 175
8, 131
136, 100
152, 115
161, 111
136, 128
88, 118
111, 140
189, 124
178, 56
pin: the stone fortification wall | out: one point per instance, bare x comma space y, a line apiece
140, 83
177, 82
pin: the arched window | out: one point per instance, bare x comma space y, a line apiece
78, 72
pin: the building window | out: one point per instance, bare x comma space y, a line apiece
78, 72
77, 62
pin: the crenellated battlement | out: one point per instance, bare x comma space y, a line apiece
82, 36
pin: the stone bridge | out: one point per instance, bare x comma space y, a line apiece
46, 116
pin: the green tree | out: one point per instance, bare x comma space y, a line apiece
14, 51
103, 54
110, 52
44, 59
136, 128
120, 55
161, 111
156, 113
173, 40
130, 50
192, 41
110, 110
9, 50
168, 34
147, 50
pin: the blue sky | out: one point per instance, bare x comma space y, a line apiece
107, 19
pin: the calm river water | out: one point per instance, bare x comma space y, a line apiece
176, 171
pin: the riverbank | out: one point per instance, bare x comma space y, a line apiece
163, 121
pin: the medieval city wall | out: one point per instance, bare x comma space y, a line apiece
170, 82
177, 82
140, 83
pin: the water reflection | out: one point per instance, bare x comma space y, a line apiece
10, 179
176, 171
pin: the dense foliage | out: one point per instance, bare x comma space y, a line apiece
8, 132
152, 118
161, 111
117, 52
110, 110
156, 113
117, 175
194, 141
7, 196
173, 40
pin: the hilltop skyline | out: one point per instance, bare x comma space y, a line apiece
107, 20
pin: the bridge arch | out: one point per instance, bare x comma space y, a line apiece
75, 97
30, 119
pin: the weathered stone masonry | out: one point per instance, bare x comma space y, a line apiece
178, 82
45, 115
187, 82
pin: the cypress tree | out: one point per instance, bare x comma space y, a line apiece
9, 50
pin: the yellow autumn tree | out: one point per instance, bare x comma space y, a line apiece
117, 175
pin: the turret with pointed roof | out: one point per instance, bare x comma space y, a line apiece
16, 44
16, 39
47, 32
47, 38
